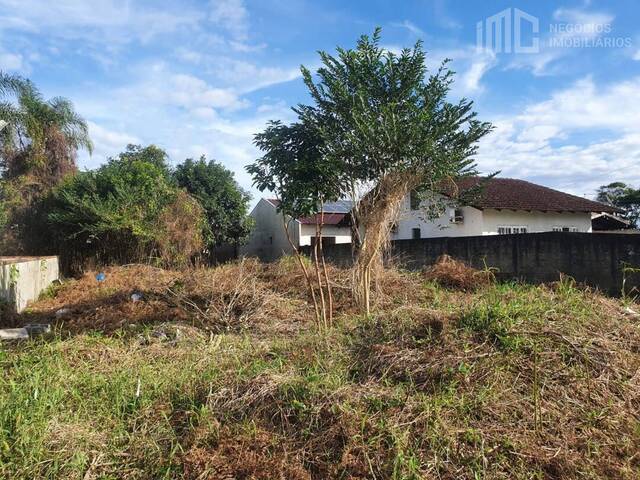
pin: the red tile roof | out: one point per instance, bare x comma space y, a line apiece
513, 194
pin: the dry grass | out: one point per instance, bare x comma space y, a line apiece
496, 381
451, 273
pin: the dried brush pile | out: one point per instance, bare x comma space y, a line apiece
451, 273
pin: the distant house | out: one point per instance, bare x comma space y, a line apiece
268, 239
501, 206
606, 222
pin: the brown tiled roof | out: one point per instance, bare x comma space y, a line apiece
513, 194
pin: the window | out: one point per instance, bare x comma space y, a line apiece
564, 228
508, 229
458, 216
415, 233
414, 200
271, 240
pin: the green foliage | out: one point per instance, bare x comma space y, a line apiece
623, 196
38, 146
374, 116
295, 169
225, 204
116, 213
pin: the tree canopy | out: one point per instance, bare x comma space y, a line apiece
623, 196
225, 204
380, 126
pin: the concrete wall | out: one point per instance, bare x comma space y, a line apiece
596, 259
22, 279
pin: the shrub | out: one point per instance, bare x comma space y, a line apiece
125, 211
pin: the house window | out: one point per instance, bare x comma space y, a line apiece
414, 200
565, 228
458, 216
271, 240
415, 233
508, 229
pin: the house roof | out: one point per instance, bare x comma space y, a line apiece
514, 194
606, 221
334, 212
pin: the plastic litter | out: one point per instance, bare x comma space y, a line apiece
136, 297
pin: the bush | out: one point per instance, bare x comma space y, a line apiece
125, 211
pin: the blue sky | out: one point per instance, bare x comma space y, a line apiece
202, 77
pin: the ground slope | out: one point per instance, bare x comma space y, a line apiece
220, 374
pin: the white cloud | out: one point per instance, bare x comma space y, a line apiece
470, 64
572, 26
118, 20
546, 142
106, 143
411, 27
232, 16
13, 62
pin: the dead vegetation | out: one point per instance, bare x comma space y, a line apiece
451, 273
229, 378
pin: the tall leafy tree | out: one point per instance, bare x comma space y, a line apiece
42, 137
384, 123
225, 204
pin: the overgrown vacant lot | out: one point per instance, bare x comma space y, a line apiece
221, 374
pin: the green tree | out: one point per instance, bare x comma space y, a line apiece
127, 210
225, 204
623, 196
386, 127
295, 169
41, 138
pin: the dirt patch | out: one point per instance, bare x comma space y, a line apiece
239, 456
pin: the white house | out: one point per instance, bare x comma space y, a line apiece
268, 240
501, 206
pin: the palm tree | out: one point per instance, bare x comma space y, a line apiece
38, 147
42, 138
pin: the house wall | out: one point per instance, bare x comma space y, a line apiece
534, 221
439, 227
268, 240
483, 222
342, 234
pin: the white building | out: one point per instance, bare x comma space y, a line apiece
268, 240
502, 206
